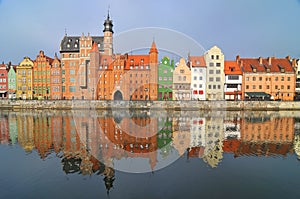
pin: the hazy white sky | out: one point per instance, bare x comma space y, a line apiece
249, 28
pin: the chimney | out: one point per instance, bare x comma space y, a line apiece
260, 60
269, 61
237, 59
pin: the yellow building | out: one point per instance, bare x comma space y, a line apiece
24, 79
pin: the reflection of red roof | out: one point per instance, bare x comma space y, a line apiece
196, 152
231, 145
262, 64
197, 61
232, 68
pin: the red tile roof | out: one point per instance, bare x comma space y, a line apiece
136, 60
263, 64
232, 68
95, 48
197, 61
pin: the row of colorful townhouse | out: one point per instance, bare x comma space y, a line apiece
88, 69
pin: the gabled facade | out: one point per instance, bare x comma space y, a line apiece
233, 81
182, 81
41, 76
198, 79
165, 79
55, 79
273, 76
215, 77
24, 79
12, 82
3, 81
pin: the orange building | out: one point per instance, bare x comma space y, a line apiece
55, 79
272, 76
130, 77
41, 76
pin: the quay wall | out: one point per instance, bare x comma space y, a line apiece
153, 105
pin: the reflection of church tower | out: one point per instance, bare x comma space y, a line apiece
108, 36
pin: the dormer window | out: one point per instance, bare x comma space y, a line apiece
76, 46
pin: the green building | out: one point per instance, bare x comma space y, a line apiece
165, 135
12, 83
165, 79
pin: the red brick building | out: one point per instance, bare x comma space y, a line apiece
130, 77
3, 81
55, 79
80, 63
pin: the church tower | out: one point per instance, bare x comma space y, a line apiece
108, 36
153, 58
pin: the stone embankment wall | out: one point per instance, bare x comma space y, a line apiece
153, 105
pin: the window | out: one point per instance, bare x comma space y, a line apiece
195, 78
260, 78
236, 77
184, 78
200, 77
63, 72
181, 71
212, 57
195, 85
218, 71
211, 64
218, 79
209, 86
276, 87
211, 72
179, 78
219, 86
253, 87
218, 64
267, 87
282, 78
289, 78
217, 57
276, 78
253, 78
232, 86
214, 87
160, 78
260, 87
72, 88
288, 87
72, 79
72, 72
282, 86
211, 79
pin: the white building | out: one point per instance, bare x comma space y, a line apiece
233, 80
198, 77
215, 77
197, 132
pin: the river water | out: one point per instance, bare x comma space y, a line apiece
149, 154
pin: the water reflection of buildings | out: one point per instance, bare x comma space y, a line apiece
263, 136
90, 144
